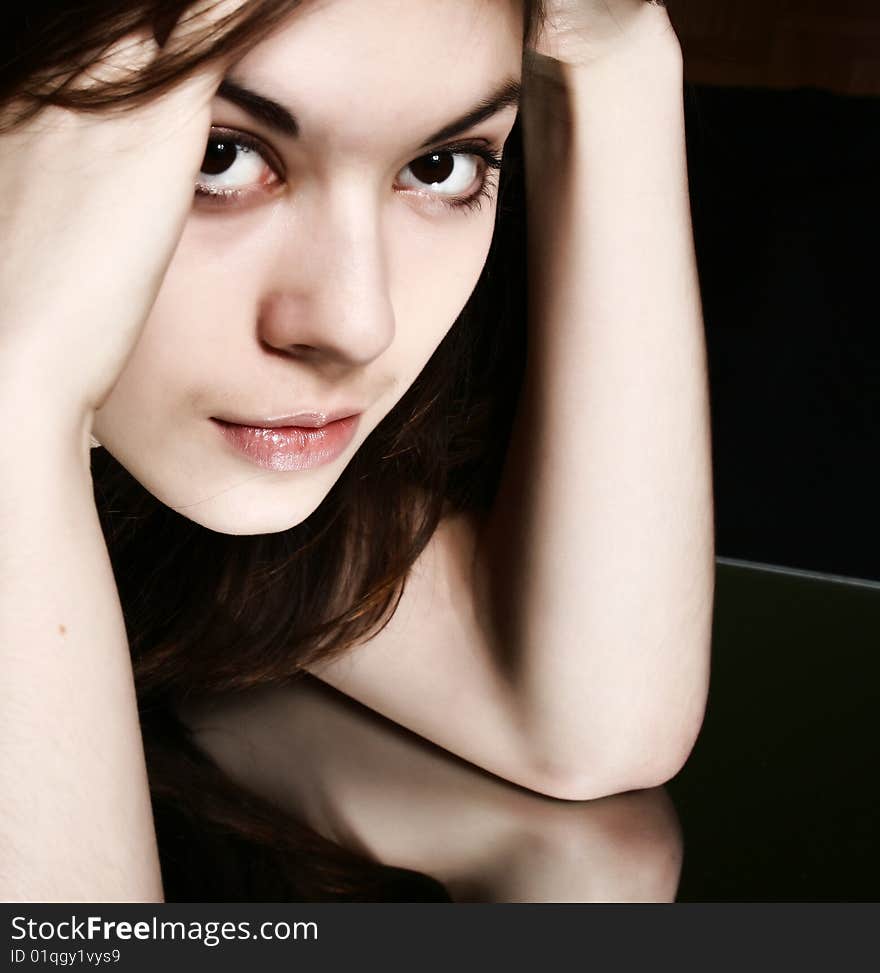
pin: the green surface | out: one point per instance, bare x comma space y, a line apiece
780, 798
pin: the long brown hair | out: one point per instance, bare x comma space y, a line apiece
211, 613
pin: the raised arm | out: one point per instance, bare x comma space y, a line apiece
91, 208
75, 818
598, 557
564, 643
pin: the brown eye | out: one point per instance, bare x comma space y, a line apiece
436, 168
219, 156
451, 174
459, 177
234, 167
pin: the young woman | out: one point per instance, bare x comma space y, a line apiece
325, 449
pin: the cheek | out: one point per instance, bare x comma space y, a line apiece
199, 345
198, 325
433, 280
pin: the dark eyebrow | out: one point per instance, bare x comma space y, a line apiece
507, 94
264, 109
279, 118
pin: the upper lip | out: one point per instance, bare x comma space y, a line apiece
310, 418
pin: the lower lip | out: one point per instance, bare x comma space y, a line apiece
290, 447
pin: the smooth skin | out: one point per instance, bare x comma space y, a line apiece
333, 285
567, 648
364, 782
75, 816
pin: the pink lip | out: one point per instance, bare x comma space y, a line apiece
285, 448
312, 419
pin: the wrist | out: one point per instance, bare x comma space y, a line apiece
636, 28
636, 84
43, 430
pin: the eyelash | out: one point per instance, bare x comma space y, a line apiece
491, 162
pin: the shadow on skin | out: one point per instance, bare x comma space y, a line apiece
369, 784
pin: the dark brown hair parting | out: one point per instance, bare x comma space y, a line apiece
211, 613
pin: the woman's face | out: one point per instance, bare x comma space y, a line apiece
319, 268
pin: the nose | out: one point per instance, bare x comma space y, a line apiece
328, 300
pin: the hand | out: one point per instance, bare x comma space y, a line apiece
91, 210
580, 32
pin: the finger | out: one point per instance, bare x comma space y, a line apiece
195, 30
122, 60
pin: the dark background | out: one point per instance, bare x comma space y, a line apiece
783, 117
780, 799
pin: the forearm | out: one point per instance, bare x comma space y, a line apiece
75, 816
599, 548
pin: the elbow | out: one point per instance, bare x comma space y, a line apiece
639, 746
645, 772
647, 761
656, 764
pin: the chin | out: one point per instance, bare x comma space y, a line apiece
257, 503
243, 517
248, 510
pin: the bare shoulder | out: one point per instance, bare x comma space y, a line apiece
437, 667
440, 654
438, 604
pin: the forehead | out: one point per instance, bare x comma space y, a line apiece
351, 70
